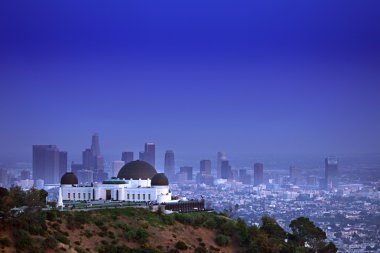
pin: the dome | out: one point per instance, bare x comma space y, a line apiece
136, 170
159, 180
69, 178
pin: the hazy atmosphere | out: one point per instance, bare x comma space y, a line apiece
197, 77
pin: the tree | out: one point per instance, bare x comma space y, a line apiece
17, 196
276, 234
305, 232
3, 192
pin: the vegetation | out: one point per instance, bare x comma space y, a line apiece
118, 229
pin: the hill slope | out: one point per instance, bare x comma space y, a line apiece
139, 230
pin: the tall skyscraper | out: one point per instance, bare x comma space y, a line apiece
93, 160
95, 146
169, 166
331, 171
221, 156
149, 154
188, 170
75, 167
46, 163
87, 160
116, 166
127, 156
226, 170
62, 163
258, 174
205, 167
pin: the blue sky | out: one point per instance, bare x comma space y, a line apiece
247, 77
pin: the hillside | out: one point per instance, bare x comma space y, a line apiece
139, 230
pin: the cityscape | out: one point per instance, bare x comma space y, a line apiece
190, 126
344, 205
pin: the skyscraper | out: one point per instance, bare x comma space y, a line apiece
87, 160
258, 174
188, 170
62, 163
331, 171
226, 171
169, 166
221, 156
244, 177
46, 163
149, 154
295, 174
95, 146
127, 156
205, 167
116, 166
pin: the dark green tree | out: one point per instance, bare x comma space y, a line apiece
305, 231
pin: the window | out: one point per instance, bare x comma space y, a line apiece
128, 196
133, 196
68, 195
78, 195
89, 196
74, 195
138, 196
143, 196
84, 196
149, 196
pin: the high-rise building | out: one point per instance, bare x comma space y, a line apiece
116, 166
295, 174
226, 170
127, 156
205, 167
95, 146
46, 163
87, 160
258, 174
149, 154
331, 171
244, 177
188, 170
62, 163
75, 167
169, 166
85, 176
221, 156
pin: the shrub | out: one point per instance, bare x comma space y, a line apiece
61, 237
200, 250
222, 240
23, 239
50, 243
173, 251
181, 245
79, 250
141, 235
88, 233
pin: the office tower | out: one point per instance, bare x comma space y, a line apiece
75, 167
95, 146
331, 171
127, 157
85, 176
221, 156
116, 166
205, 167
244, 177
295, 174
311, 180
87, 160
99, 174
149, 154
62, 163
46, 163
226, 171
188, 170
258, 174
169, 166
141, 156
24, 175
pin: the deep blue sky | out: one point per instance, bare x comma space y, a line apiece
247, 77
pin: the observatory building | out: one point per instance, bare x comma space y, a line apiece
137, 181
